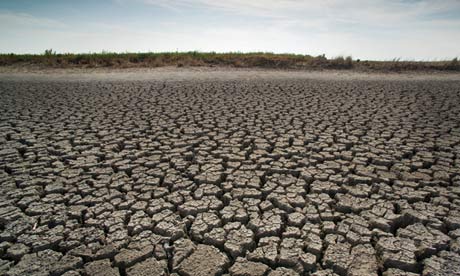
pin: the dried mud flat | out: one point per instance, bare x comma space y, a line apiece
243, 174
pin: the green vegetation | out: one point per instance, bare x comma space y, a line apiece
262, 60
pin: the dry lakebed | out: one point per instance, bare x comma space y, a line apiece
197, 172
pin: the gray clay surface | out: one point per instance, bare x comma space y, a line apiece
230, 177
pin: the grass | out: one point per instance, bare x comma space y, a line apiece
52, 59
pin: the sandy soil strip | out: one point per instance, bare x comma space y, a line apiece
204, 73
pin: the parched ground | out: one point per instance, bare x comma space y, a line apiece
239, 176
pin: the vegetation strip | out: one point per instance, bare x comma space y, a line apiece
50, 59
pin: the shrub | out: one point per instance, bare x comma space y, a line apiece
453, 65
49, 52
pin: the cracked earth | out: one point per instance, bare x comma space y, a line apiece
230, 177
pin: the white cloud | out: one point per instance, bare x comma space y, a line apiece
376, 11
10, 19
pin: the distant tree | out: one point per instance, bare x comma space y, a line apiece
49, 52
454, 64
348, 62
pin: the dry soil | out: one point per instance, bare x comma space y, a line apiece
233, 172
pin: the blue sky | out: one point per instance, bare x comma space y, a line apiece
366, 29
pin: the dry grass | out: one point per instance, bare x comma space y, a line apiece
263, 60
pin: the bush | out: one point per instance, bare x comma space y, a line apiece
453, 65
49, 52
